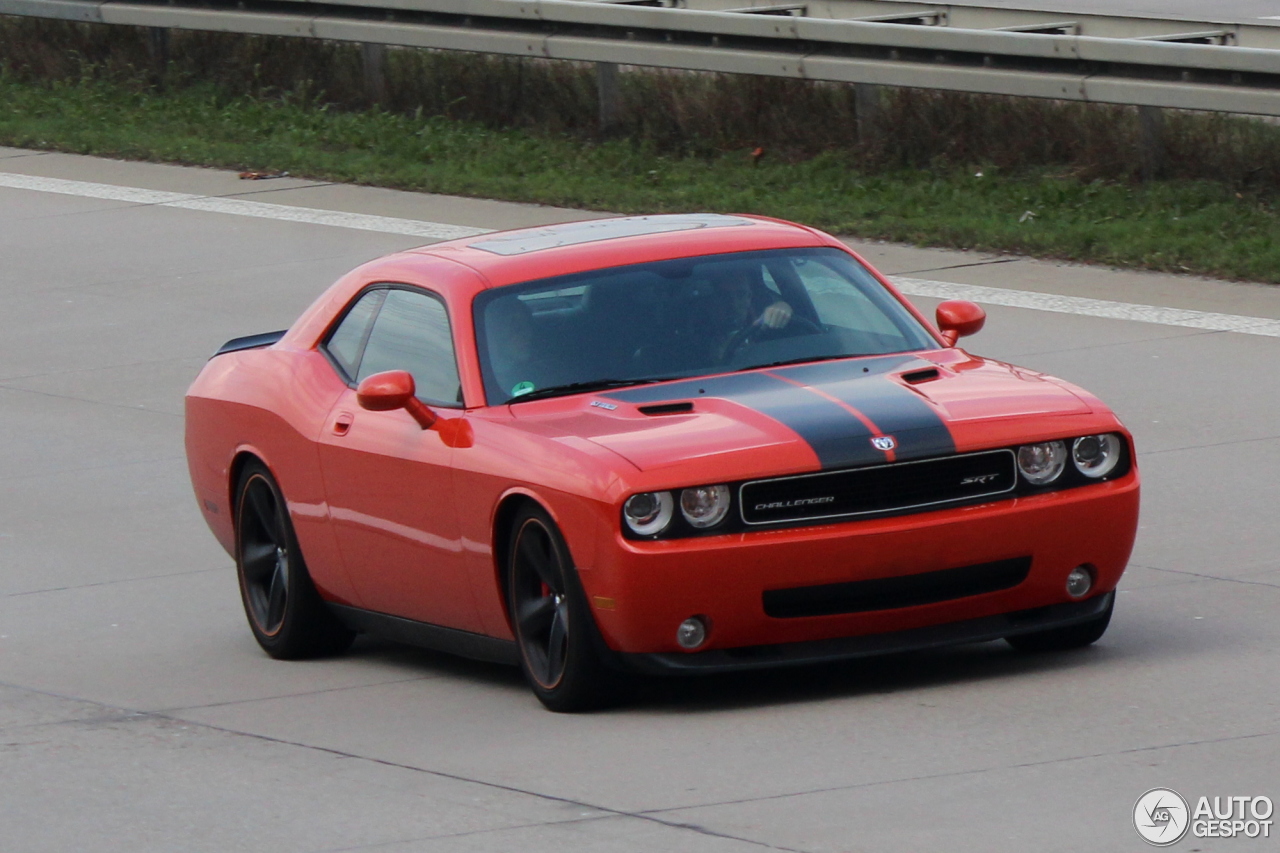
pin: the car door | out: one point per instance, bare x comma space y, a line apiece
388, 480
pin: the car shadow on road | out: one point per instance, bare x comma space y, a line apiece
850, 679
1145, 637
415, 660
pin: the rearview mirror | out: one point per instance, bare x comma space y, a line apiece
958, 318
394, 389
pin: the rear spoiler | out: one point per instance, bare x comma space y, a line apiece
265, 339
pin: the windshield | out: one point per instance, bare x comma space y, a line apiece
681, 318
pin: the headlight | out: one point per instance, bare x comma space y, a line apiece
1096, 455
705, 506
648, 513
1042, 463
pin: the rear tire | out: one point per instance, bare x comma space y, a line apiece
1066, 638
555, 632
286, 614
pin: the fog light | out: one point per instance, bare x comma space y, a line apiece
691, 633
1079, 582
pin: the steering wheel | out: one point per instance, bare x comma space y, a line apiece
755, 333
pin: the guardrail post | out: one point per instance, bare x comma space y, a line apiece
1151, 141
375, 72
158, 47
866, 101
610, 95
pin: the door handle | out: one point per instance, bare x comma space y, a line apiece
342, 423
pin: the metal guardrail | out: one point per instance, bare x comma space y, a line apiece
1194, 65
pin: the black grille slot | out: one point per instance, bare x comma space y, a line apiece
883, 488
889, 593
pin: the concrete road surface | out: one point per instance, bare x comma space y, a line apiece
137, 713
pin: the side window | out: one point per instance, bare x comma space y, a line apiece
412, 333
347, 341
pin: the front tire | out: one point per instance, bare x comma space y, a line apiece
554, 629
286, 614
1066, 638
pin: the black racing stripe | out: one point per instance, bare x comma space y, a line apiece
916, 426
836, 435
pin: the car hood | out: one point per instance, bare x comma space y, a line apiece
845, 413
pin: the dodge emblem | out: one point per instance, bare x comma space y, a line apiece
883, 442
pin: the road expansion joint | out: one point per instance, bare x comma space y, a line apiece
41, 475
72, 371
1176, 334
1210, 446
76, 399
468, 834
605, 810
116, 714
962, 266
268, 190
957, 774
118, 581
185, 708
1200, 577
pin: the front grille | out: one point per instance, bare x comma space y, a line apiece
896, 487
889, 593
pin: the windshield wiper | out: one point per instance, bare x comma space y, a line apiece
583, 387
801, 360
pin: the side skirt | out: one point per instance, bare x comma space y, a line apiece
462, 643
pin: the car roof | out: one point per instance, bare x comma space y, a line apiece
528, 254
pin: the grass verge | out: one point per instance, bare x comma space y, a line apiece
1199, 226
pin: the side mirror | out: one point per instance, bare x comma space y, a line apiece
958, 318
394, 389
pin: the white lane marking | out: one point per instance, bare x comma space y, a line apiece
240, 207
439, 231
1090, 307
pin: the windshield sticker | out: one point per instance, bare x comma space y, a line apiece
522, 388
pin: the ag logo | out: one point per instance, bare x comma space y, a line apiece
883, 442
1161, 817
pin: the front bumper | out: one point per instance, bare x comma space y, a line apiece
846, 648
640, 592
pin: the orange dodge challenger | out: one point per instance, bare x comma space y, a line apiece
666, 444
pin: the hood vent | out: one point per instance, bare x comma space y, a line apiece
917, 376
667, 409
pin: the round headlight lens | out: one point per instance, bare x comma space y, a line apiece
705, 506
1042, 463
1096, 455
648, 512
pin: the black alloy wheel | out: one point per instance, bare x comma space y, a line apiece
556, 635
287, 615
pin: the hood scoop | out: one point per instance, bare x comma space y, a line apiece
666, 409
915, 377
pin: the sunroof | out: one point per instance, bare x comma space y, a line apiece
533, 240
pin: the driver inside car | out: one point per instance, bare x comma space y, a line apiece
519, 365
733, 314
